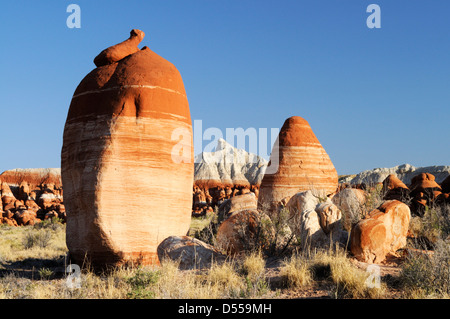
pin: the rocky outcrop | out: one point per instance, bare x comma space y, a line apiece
225, 173
228, 166
317, 224
423, 192
352, 203
32, 176
239, 232
383, 231
394, 188
403, 172
189, 252
236, 204
127, 158
27, 203
303, 165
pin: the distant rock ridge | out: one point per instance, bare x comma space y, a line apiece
404, 172
34, 176
228, 166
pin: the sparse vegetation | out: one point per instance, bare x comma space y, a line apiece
296, 272
428, 275
32, 264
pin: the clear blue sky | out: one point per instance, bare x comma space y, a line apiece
374, 97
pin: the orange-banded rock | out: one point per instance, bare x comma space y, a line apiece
424, 191
236, 204
239, 232
127, 159
303, 165
32, 176
383, 231
394, 188
7, 197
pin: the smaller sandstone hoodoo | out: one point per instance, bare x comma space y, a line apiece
303, 165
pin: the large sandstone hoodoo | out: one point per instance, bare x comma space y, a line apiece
127, 158
303, 165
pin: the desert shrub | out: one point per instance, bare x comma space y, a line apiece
428, 275
40, 238
374, 198
433, 226
295, 271
54, 224
275, 235
45, 273
205, 228
225, 277
142, 284
253, 268
348, 281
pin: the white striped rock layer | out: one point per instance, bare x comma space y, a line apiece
303, 165
127, 159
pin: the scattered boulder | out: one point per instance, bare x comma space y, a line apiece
122, 142
302, 164
317, 224
190, 252
8, 221
394, 188
239, 232
24, 191
330, 217
32, 205
352, 203
383, 231
236, 204
298, 206
424, 190
8, 198
48, 199
26, 217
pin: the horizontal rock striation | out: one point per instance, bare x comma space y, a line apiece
127, 158
303, 165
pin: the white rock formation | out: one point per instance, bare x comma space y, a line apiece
404, 172
229, 165
306, 211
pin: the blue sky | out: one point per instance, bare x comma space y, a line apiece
374, 97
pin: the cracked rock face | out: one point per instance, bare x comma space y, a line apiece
127, 157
